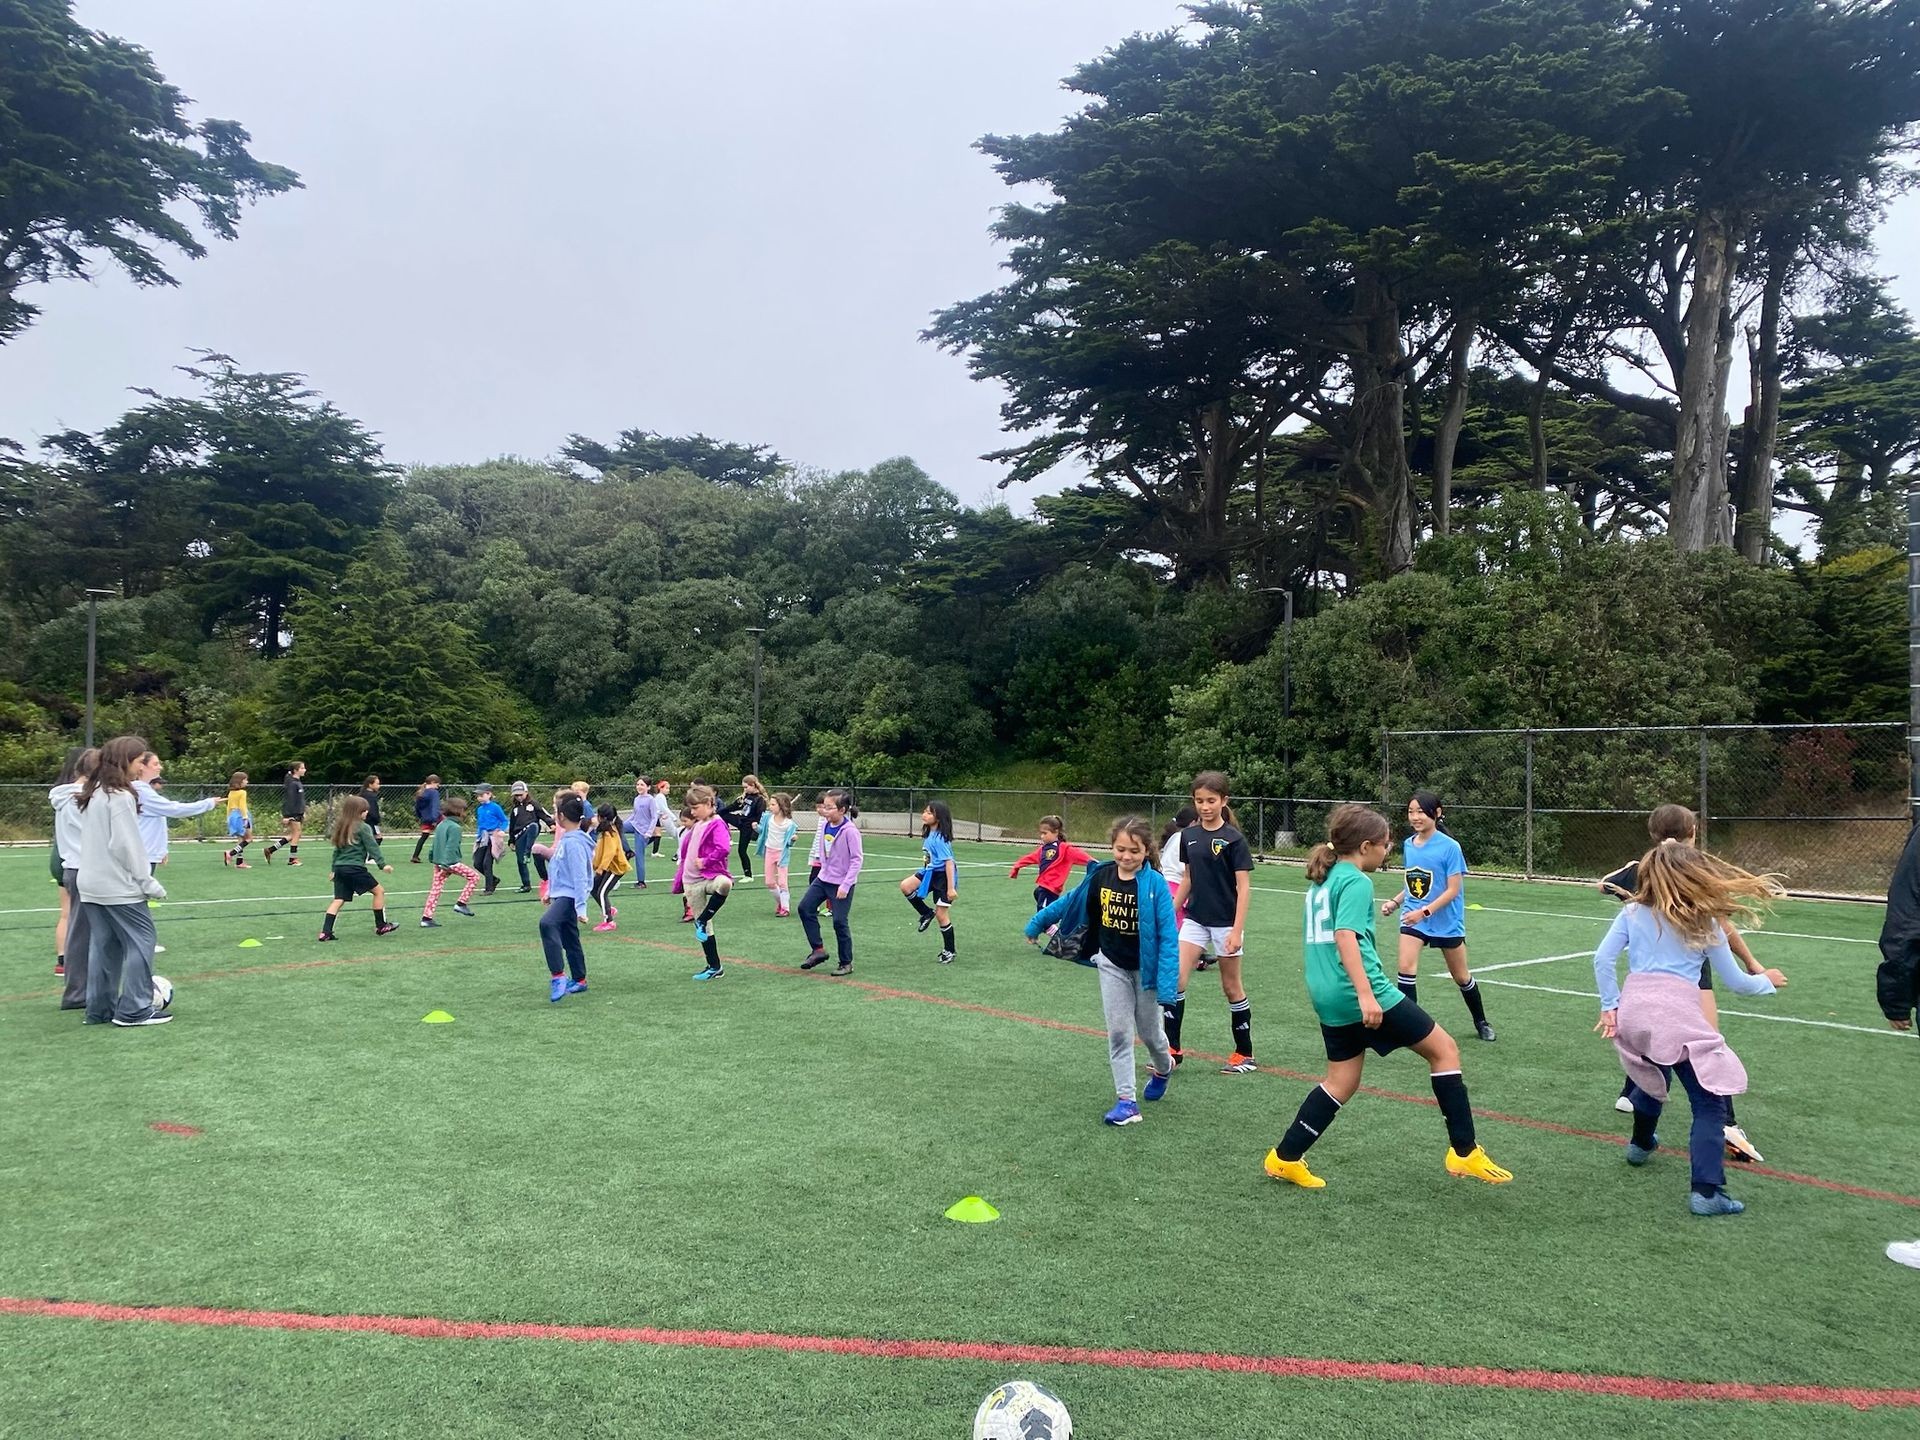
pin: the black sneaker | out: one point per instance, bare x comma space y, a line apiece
946, 957
840, 970
925, 921
427, 922
152, 1017
524, 890
816, 959
1485, 1031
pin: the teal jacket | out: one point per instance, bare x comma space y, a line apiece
1159, 933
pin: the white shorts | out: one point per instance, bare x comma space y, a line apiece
1212, 939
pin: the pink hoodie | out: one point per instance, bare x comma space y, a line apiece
708, 847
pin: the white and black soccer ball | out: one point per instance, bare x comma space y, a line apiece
1022, 1410
162, 992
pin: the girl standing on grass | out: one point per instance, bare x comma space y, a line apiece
841, 857
702, 875
1435, 896
1677, 825
610, 863
744, 814
641, 825
1054, 861
935, 879
1131, 939
72, 941
116, 881
426, 811
1675, 921
1360, 1010
355, 850
239, 822
780, 835
445, 855
1214, 890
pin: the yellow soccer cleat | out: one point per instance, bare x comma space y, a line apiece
1479, 1165
1293, 1171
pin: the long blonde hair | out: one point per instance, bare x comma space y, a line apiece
1694, 891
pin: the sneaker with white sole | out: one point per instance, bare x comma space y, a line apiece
155, 1017
1905, 1252
1740, 1148
1124, 1112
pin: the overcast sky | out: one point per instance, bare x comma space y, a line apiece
520, 222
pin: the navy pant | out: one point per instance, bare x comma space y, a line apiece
821, 893
560, 937
523, 851
1707, 1145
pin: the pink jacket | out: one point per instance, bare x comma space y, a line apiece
707, 848
1660, 1024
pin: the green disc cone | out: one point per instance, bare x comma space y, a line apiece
972, 1211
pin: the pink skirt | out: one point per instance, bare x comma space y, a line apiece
1660, 1024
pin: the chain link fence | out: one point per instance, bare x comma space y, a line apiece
1824, 806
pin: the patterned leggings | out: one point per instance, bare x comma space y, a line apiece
466, 872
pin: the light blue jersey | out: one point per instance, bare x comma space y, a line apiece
1430, 867
938, 852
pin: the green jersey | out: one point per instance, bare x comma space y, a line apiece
1343, 901
362, 851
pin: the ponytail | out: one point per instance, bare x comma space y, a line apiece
1320, 863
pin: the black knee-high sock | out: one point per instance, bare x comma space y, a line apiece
1451, 1091
379, 918
711, 948
1643, 1124
1476, 1007
1409, 986
1310, 1122
1170, 1017
946, 939
920, 907
294, 849
714, 902
326, 922
1240, 1017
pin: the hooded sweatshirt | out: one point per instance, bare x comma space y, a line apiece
114, 869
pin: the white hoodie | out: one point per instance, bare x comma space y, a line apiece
113, 865
156, 810
66, 823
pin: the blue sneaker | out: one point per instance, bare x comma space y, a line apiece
1639, 1155
1157, 1085
710, 973
1720, 1204
701, 933
1124, 1112
576, 987
557, 988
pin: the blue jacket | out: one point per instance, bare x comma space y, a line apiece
489, 817
1159, 935
426, 806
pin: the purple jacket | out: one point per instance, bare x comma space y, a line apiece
710, 847
843, 859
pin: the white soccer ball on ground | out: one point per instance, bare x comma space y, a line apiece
162, 992
1022, 1410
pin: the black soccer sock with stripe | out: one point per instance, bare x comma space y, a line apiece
1171, 1016
1240, 1018
710, 947
1451, 1091
946, 939
293, 850
1476, 1007
1409, 986
920, 907
1310, 1122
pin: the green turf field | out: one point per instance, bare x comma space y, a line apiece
771, 1155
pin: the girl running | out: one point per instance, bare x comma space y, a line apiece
1435, 897
1054, 861
1360, 1010
1213, 894
445, 855
1675, 921
833, 881
936, 878
525, 819
293, 814
780, 835
1131, 940
744, 814
426, 811
702, 875
239, 822
115, 881
610, 863
354, 850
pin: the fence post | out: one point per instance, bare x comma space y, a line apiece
1703, 787
909, 807
1528, 811
1260, 820
1386, 767
980, 818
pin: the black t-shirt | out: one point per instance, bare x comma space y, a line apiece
1213, 858
372, 797
1113, 917
293, 805
1624, 882
525, 813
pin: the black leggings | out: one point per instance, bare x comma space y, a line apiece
603, 888
523, 851
746, 863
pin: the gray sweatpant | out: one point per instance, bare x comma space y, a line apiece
79, 946
1131, 1011
120, 967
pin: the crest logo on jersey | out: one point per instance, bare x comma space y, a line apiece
1419, 883
1219, 847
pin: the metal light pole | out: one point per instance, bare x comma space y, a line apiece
93, 600
1913, 652
756, 631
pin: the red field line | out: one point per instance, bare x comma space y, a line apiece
1550, 1127
167, 1127
1295, 1367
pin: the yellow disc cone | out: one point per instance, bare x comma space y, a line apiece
972, 1211
436, 1017
249, 944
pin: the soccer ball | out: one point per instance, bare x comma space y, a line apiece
162, 992
1022, 1410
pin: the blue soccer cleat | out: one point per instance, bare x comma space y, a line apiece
1720, 1204
1157, 1085
558, 988
700, 932
1124, 1112
576, 987
1639, 1154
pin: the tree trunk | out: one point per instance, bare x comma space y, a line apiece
1453, 416
1697, 518
1219, 468
1753, 492
1377, 456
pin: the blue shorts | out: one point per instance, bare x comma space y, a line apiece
236, 824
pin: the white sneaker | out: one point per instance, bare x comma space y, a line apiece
1905, 1252
1623, 1105
159, 949
1741, 1148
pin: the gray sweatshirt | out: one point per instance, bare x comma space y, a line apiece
114, 869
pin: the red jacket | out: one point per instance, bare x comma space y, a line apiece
1056, 860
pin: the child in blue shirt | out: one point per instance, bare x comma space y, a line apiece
490, 820
935, 879
1435, 895
569, 879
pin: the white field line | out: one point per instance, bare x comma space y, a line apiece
1521, 964
1743, 1014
